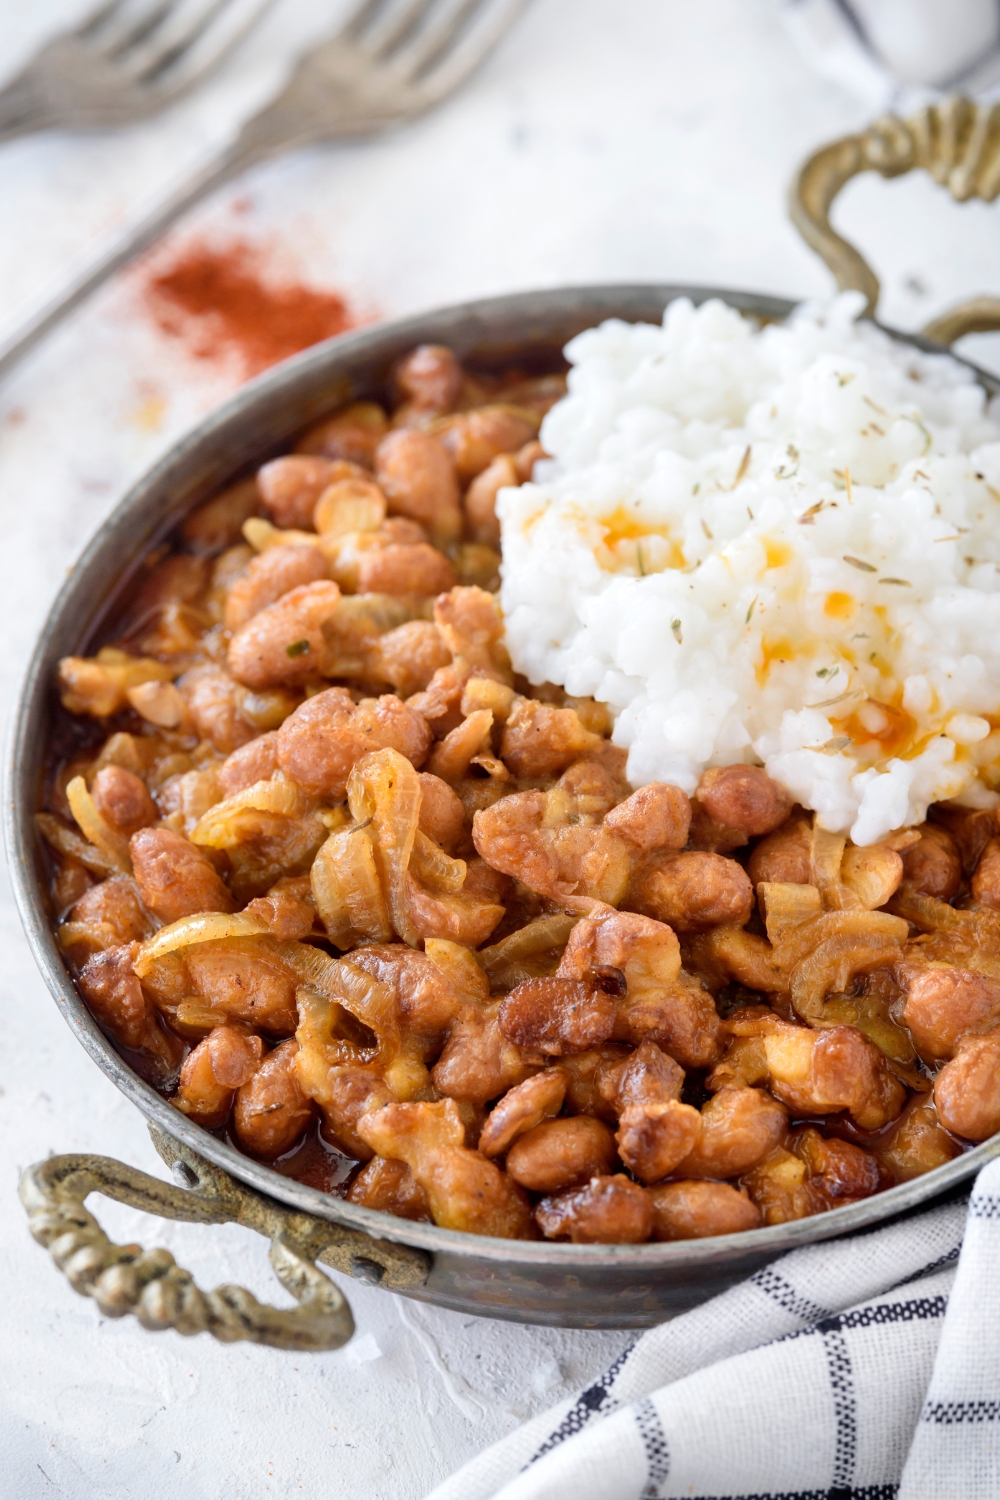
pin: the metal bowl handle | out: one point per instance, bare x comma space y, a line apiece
957, 141
127, 1279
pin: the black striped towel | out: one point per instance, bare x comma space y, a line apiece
867, 1368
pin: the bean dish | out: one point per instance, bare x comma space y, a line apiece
351, 893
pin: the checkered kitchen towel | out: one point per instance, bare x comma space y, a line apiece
863, 1369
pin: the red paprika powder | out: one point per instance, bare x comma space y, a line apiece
228, 306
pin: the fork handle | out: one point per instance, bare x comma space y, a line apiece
22, 112
243, 153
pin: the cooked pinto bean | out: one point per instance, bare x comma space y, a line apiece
214, 1070
561, 1153
353, 434
539, 740
428, 996
412, 568
114, 994
943, 1003
695, 1210
269, 577
214, 703
464, 1190
585, 1073
781, 1188
682, 1020
353, 1092
114, 904
645, 952
783, 856
418, 479
826, 1071
657, 816
408, 656
319, 744
481, 499
971, 829
442, 816
967, 1089
556, 1016
606, 1211
122, 798
271, 1110
934, 865
653, 1139
431, 377
521, 1109
693, 891
217, 524
743, 797
646, 1076
290, 486
174, 877
283, 645
739, 1127
287, 908
253, 762
389, 1187
478, 1062
475, 438
244, 980
574, 864
918, 1145
841, 1172
986, 880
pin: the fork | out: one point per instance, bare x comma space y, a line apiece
127, 60
388, 64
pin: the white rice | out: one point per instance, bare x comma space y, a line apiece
774, 545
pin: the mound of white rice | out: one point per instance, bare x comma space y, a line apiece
774, 545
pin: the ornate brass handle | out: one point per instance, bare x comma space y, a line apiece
956, 141
127, 1279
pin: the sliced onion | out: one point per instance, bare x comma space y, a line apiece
855, 925
346, 888
203, 927
833, 963
826, 857
459, 965
262, 534
743, 956
219, 828
873, 874
71, 845
785, 905
90, 937
383, 788
336, 980
979, 927
535, 937
436, 869
454, 754
95, 827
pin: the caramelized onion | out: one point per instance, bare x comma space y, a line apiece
202, 927
96, 828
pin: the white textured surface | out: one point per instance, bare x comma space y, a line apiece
651, 140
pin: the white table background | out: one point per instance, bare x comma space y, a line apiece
645, 140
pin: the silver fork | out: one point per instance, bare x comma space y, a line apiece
127, 60
389, 63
